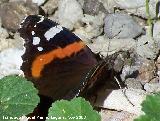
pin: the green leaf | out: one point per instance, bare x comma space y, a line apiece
17, 97
143, 118
75, 110
151, 108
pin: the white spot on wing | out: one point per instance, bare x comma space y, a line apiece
36, 40
41, 19
52, 32
20, 26
22, 21
40, 48
35, 25
33, 33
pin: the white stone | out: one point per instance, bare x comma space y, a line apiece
93, 26
52, 32
81, 2
137, 7
106, 46
50, 6
129, 100
40, 48
152, 87
69, 13
3, 32
121, 26
36, 40
147, 47
109, 5
156, 30
110, 115
10, 61
8, 42
39, 2
17, 42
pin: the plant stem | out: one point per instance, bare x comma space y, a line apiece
149, 21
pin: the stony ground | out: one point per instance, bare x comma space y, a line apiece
107, 26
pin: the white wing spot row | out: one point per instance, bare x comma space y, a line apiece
52, 32
40, 48
36, 40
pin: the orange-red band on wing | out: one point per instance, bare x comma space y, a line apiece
40, 61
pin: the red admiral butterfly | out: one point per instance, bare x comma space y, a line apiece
55, 59
59, 64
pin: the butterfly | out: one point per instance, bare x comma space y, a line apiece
59, 63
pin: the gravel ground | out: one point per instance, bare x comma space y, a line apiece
107, 27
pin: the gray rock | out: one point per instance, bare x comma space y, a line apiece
69, 13
111, 115
92, 28
10, 62
50, 7
137, 7
147, 71
5, 43
106, 46
121, 26
109, 5
156, 30
12, 13
158, 66
38, 2
129, 72
81, 2
147, 47
123, 58
3, 32
117, 116
141, 21
133, 83
152, 87
118, 63
92, 7
123, 100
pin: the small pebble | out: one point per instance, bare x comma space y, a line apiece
121, 26
133, 83
12, 13
93, 7
38, 2
50, 6
69, 13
